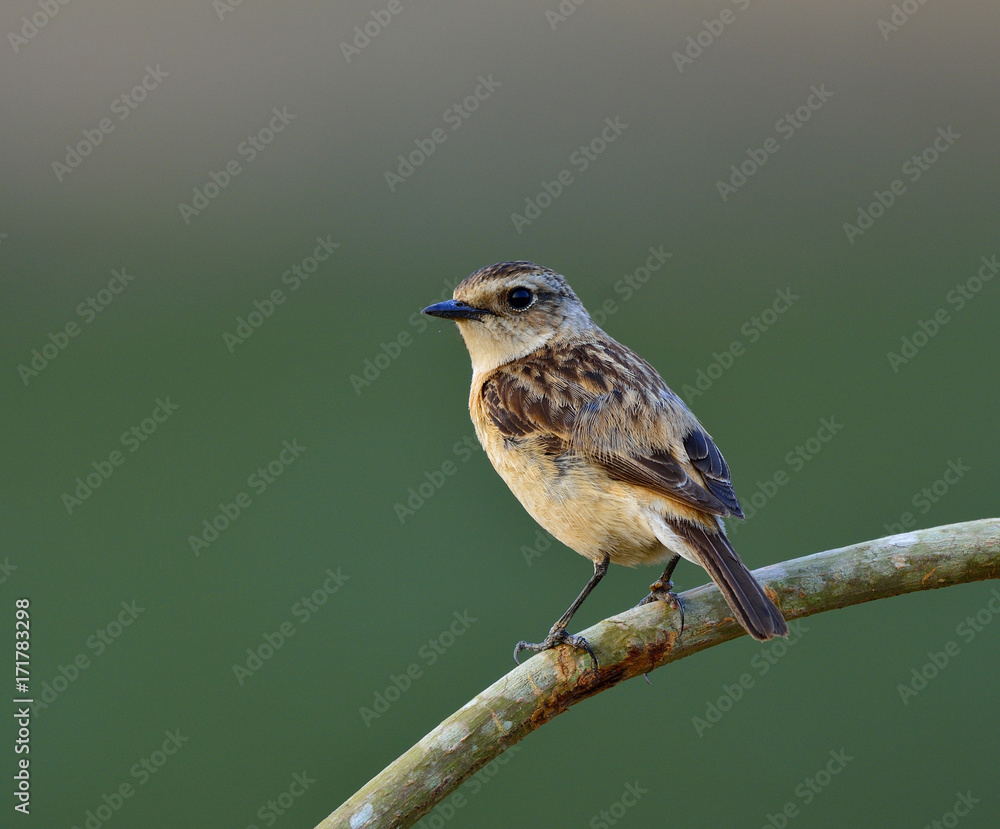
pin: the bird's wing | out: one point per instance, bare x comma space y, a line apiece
603, 402
707, 459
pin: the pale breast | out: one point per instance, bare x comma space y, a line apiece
569, 497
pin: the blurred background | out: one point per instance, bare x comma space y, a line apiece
241, 486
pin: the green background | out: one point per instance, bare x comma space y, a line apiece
461, 551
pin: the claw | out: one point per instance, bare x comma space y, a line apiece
557, 633
557, 636
662, 591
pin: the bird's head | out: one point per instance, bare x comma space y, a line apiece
508, 310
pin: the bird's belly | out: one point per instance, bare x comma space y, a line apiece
579, 505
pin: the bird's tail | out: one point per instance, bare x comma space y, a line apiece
753, 609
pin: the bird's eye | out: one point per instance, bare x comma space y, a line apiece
520, 298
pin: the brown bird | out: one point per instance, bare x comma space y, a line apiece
594, 444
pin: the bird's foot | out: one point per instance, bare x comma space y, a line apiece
662, 590
557, 636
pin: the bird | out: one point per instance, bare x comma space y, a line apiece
595, 445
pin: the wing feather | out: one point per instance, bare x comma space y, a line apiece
594, 400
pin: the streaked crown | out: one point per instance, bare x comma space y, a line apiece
524, 306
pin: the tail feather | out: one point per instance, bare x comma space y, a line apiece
751, 605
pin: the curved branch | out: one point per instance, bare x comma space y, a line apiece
643, 639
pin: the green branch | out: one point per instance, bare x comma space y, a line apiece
644, 639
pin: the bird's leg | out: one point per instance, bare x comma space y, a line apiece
557, 634
661, 590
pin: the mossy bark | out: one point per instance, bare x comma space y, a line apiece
645, 638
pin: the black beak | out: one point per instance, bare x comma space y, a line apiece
454, 309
